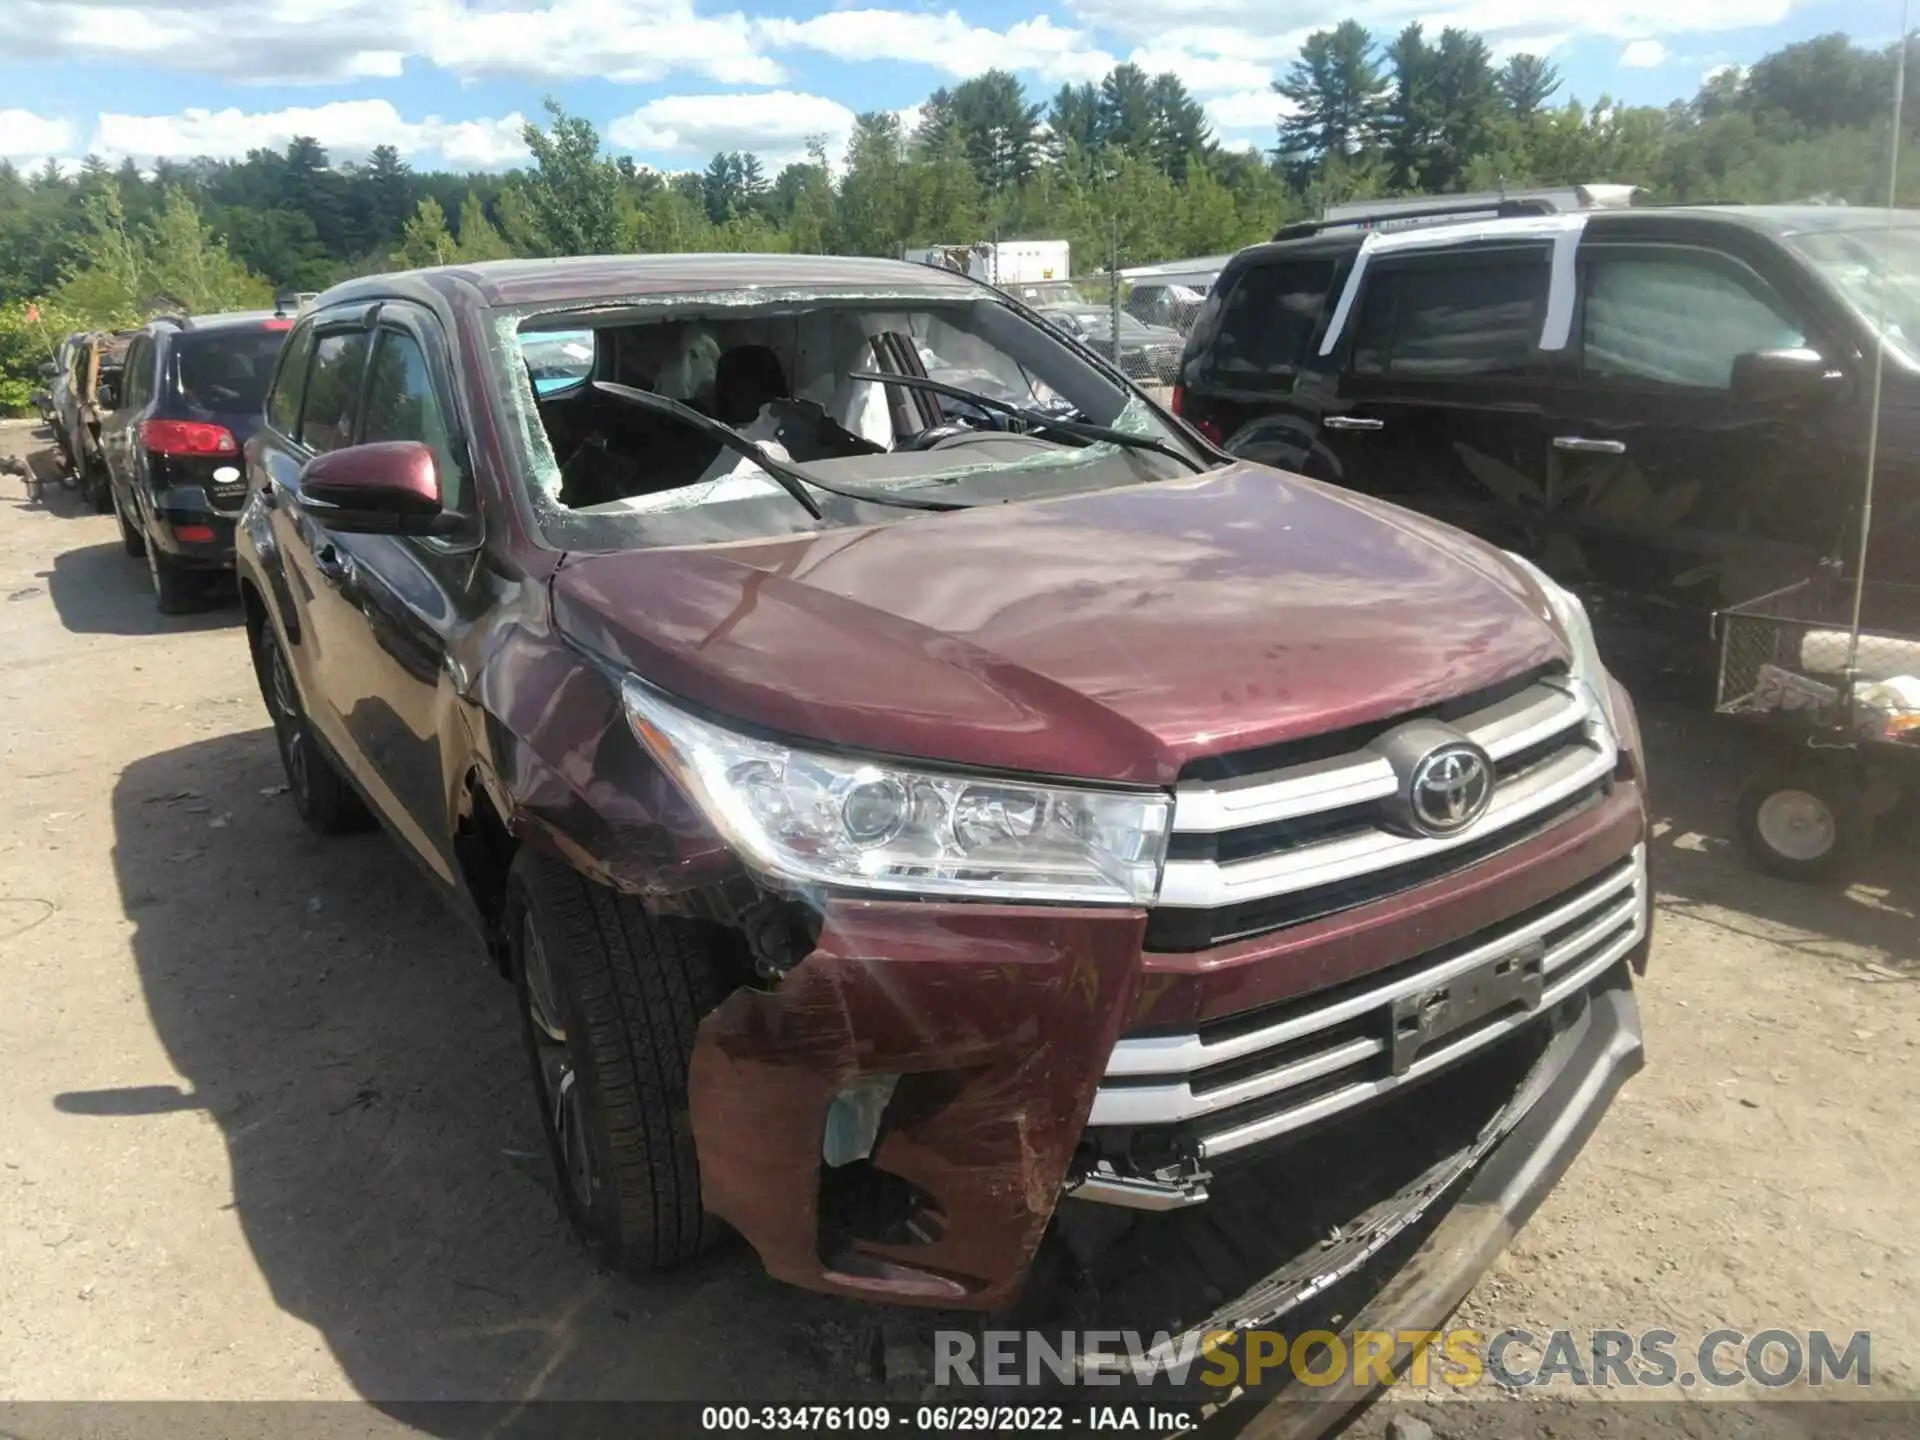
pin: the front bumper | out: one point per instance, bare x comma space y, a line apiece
1511, 1169
1000, 1022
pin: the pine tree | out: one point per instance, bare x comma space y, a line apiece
1337, 92
1126, 111
1527, 82
479, 240
998, 128
1181, 135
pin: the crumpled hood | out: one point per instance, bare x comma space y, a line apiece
1114, 635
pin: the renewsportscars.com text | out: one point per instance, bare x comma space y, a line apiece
1460, 1357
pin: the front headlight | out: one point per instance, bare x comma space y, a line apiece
807, 817
1588, 668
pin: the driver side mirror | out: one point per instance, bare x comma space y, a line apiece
389, 487
1784, 377
106, 397
48, 369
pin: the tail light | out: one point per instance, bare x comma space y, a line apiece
187, 437
1206, 427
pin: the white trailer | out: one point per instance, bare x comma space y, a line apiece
1002, 262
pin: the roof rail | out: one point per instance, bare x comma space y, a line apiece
1499, 210
1413, 211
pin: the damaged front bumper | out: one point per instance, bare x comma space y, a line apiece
951, 1057
1510, 1168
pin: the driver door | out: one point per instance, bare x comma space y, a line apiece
1666, 485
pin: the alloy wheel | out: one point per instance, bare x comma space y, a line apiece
561, 1093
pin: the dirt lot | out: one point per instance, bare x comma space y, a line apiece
264, 1132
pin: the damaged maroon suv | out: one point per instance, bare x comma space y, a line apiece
924, 794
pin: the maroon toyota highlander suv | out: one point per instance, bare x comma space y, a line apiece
923, 793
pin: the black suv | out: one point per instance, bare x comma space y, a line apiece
189, 397
1672, 404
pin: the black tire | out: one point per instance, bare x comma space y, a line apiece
322, 796
131, 540
610, 1068
98, 488
1802, 820
175, 590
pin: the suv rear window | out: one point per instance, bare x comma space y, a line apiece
226, 371
1442, 321
1268, 321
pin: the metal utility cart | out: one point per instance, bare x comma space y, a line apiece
1832, 667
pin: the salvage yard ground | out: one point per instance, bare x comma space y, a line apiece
264, 1131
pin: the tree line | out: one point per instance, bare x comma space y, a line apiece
1124, 168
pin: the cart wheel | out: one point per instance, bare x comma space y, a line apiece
1802, 822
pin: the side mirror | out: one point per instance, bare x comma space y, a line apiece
106, 397
1783, 377
48, 369
391, 487
40, 400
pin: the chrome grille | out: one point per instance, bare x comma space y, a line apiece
1246, 1079
1260, 851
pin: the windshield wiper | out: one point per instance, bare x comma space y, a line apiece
792, 480
1038, 419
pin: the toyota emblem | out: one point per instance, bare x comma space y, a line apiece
1450, 788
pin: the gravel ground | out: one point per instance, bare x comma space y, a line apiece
264, 1133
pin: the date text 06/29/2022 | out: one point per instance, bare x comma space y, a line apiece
942, 1419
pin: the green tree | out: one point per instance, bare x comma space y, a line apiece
479, 240
1337, 92
105, 281
572, 200
998, 128
425, 239
1182, 139
185, 265
1073, 122
1527, 82
873, 214
1126, 110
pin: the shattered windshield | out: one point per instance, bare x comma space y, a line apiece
784, 373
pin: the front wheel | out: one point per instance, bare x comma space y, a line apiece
1802, 821
320, 793
610, 998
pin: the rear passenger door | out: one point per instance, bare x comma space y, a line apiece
1673, 488
1439, 398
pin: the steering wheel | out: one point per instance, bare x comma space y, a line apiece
930, 437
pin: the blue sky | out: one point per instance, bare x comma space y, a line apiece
671, 81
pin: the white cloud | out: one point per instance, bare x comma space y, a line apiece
349, 129
944, 41
625, 40
1248, 110
1643, 55
773, 124
1250, 28
312, 41
25, 136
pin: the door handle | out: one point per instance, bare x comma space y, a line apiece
1352, 422
330, 562
1581, 445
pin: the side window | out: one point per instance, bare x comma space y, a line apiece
1267, 323
1427, 321
137, 382
333, 390
402, 404
283, 401
1678, 321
